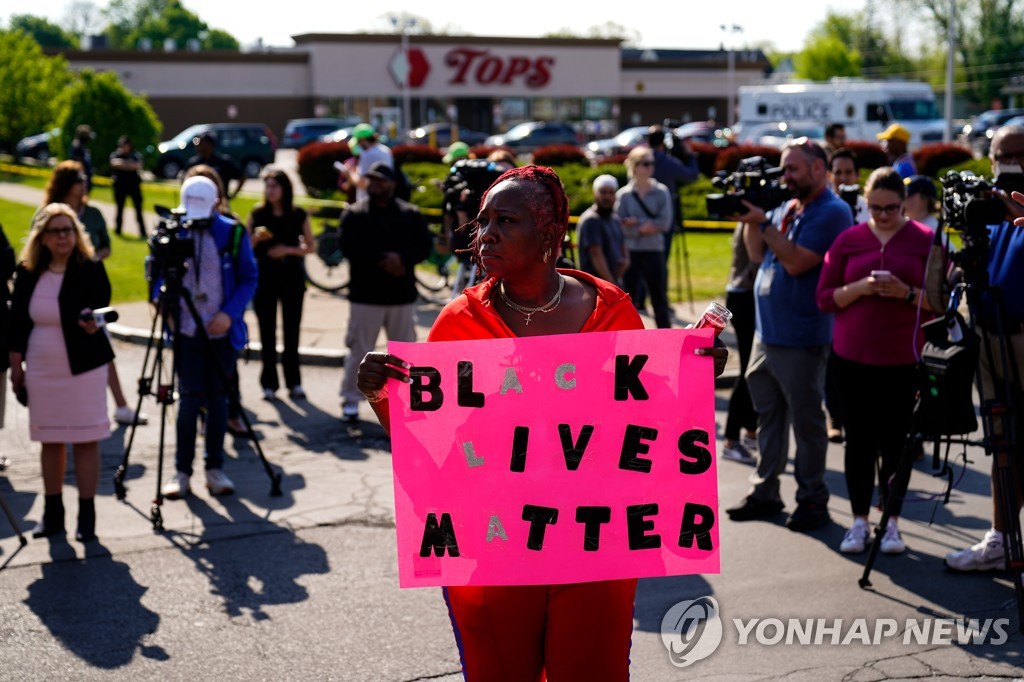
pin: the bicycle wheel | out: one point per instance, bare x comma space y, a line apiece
324, 276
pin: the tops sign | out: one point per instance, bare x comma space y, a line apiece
473, 66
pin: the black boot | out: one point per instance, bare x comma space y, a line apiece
53, 518
86, 520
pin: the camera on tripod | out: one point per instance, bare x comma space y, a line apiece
754, 181
171, 244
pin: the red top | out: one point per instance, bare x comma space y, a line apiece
874, 330
472, 315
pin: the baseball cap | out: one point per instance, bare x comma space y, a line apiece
363, 131
382, 171
920, 184
456, 151
895, 132
198, 198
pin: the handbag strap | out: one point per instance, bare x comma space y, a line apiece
643, 205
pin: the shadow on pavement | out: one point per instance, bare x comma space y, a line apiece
249, 579
93, 607
655, 596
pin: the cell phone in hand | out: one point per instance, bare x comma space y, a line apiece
881, 275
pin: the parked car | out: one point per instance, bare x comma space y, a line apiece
36, 146
343, 135
299, 132
702, 131
598, 150
442, 133
779, 133
251, 145
982, 127
526, 137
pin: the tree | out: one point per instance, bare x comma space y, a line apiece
825, 57
989, 42
82, 18
101, 101
30, 84
44, 31
159, 21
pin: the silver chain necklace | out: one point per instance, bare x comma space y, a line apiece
529, 312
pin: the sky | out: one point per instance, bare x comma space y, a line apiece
678, 24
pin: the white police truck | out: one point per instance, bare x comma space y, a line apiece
864, 107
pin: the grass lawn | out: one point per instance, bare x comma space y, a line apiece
710, 254
124, 267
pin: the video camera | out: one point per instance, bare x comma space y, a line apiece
850, 194
463, 189
969, 206
754, 181
171, 244
474, 175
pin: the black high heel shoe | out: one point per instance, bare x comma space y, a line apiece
52, 522
86, 520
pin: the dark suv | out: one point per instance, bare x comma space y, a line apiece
981, 128
526, 137
251, 145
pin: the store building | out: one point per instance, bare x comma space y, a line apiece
482, 83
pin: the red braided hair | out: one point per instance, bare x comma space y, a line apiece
545, 199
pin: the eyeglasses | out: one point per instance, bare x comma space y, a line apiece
645, 163
60, 231
890, 208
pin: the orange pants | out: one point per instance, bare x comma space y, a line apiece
570, 632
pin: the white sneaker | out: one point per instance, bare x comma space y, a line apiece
178, 487
126, 415
350, 412
218, 483
268, 394
987, 555
738, 453
856, 539
892, 542
296, 392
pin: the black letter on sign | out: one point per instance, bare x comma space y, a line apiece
691, 444
636, 526
431, 385
627, 377
467, 396
692, 528
439, 537
592, 518
538, 517
574, 451
520, 438
631, 447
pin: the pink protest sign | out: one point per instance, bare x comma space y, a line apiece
555, 459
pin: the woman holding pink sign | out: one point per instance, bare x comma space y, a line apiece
871, 280
578, 631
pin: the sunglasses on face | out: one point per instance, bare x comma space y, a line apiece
645, 162
60, 231
889, 208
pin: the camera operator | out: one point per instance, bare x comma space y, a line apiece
787, 364
1005, 270
221, 277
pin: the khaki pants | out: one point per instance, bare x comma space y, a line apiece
364, 325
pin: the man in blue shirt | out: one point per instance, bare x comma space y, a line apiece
1005, 270
787, 364
894, 141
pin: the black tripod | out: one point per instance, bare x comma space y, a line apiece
1000, 419
169, 309
14, 524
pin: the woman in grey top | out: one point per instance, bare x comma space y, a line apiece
644, 206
